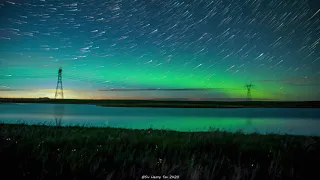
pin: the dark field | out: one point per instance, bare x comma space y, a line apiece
173, 104
42, 152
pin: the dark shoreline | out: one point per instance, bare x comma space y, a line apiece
172, 104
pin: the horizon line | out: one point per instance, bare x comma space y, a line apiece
168, 99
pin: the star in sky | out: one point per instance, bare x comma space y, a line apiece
220, 45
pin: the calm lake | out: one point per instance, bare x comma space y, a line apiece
262, 120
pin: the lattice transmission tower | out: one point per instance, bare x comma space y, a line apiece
248, 87
59, 88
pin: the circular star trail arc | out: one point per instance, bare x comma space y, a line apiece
154, 44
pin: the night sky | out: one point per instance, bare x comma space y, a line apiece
180, 44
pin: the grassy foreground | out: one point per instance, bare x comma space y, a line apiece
42, 152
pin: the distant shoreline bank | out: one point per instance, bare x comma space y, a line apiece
172, 104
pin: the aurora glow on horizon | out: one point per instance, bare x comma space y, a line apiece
221, 44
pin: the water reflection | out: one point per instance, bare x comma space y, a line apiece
249, 121
300, 121
58, 113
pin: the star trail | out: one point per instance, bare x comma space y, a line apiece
218, 45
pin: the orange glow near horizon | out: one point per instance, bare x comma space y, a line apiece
68, 94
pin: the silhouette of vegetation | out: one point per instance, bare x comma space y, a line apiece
43, 152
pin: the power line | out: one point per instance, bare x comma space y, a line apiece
59, 88
118, 83
249, 86
109, 83
119, 89
163, 89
